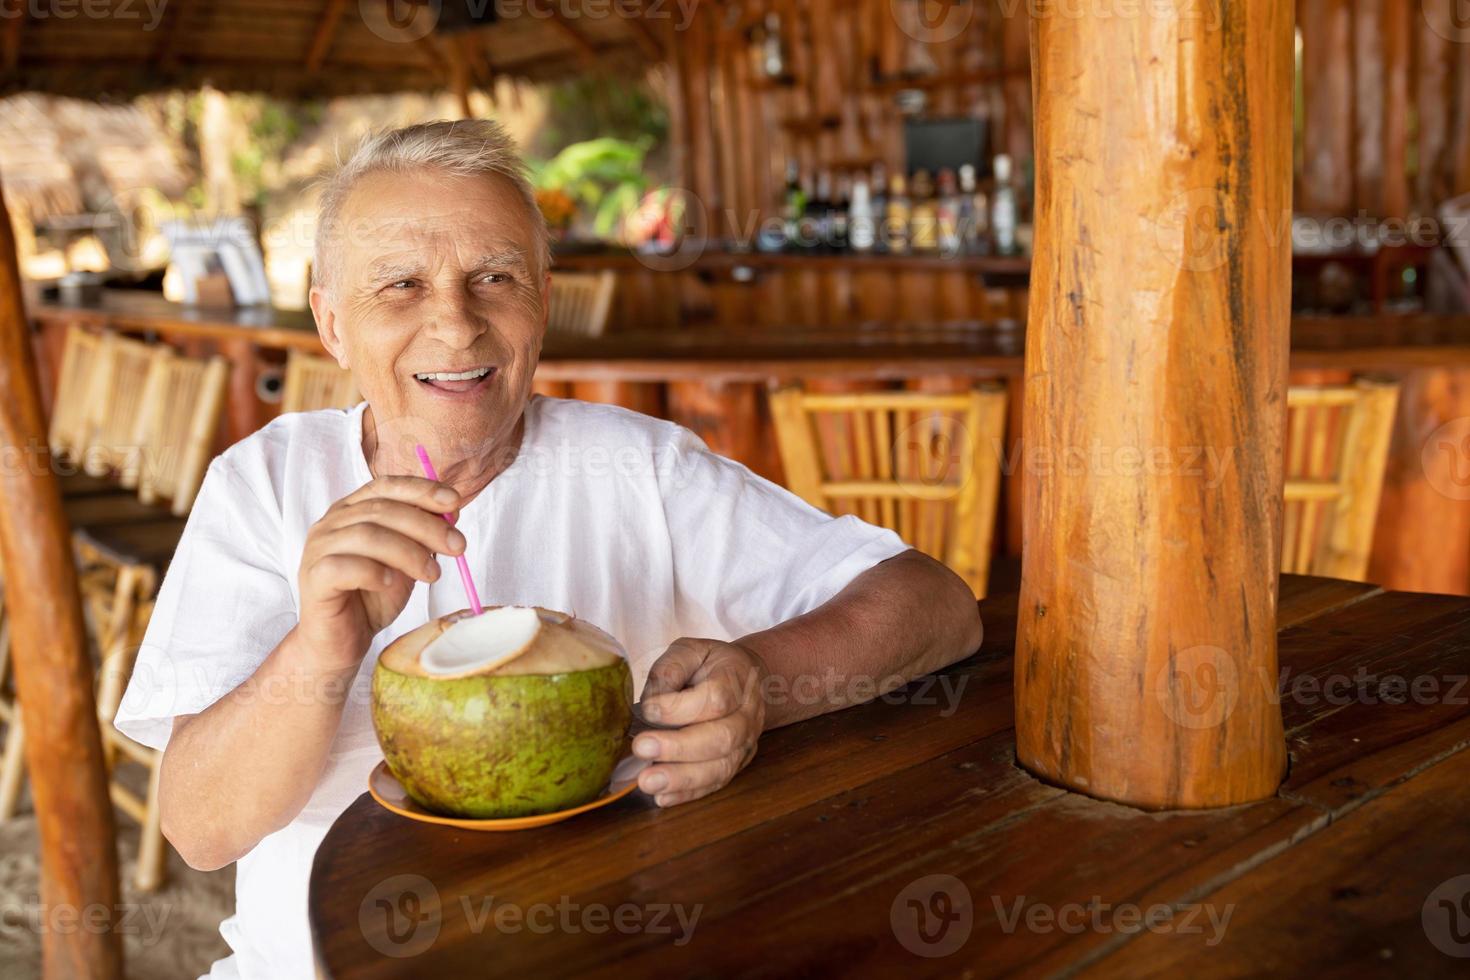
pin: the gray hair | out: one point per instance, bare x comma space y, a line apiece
457, 148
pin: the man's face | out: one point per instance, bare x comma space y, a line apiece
438, 306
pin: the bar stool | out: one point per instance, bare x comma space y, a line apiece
580, 303
923, 465
314, 382
1337, 445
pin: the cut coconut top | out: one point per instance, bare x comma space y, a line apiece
481, 643
504, 641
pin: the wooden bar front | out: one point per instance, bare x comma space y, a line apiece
1423, 536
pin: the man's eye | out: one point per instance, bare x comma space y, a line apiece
404, 284
494, 277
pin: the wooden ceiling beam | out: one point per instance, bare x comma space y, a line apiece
15, 13
166, 52
322, 37
586, 50
644, 35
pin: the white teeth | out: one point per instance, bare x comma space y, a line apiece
449, 376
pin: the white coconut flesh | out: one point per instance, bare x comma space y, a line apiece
504, 641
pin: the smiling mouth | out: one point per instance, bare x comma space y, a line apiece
455, 381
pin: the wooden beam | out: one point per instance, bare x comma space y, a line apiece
53, 674
166, 49
326, 31
15, 13
1160, 303
586, 50
643, 33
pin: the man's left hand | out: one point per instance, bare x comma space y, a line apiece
711, 692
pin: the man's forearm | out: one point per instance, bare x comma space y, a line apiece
246, 765
901, 619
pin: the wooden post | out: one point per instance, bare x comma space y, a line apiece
1155, 402
53, 676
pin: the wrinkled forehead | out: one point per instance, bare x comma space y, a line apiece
405, 223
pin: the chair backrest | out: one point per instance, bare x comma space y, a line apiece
119, 385
183, 403
581, 302
69, 405
923, 465
314, 382
1337, 443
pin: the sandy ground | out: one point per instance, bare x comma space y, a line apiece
173, 932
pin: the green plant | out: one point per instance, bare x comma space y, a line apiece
604, 176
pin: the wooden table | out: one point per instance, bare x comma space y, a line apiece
818, 857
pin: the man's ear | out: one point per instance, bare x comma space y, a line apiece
326, 326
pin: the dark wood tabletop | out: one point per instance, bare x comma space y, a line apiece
900, 838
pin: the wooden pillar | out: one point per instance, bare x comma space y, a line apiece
53, 675
1155, 402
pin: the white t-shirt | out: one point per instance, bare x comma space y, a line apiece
624, 520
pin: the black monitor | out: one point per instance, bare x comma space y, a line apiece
935, 143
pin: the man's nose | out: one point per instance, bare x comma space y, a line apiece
453, 321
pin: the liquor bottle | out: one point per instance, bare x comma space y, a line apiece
821, 207
809, 237
1003, 208
774, 59
924, 215
839, 225
794, 206
974, 212
896, 216
949, 213
862, 230
878, 187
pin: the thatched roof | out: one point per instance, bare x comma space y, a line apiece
63, 156
314, 48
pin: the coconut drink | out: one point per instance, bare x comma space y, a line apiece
514, 712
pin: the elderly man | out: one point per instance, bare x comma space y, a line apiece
314, 543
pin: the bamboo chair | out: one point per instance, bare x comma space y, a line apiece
316, 382
580, 303
68, 434
1336, 449
118, 397
923, 465
117, 749
12, 756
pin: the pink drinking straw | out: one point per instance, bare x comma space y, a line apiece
464, 566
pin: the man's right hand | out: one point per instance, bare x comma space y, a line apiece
362, 559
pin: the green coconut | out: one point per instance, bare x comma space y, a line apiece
515, 712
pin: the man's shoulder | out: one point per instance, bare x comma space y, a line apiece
297, 448
597, 423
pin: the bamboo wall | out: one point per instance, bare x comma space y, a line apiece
1385, 106
1385, 114
847, 59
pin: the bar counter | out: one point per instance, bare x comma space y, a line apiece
713, 380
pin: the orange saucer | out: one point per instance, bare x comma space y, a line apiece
390, 794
